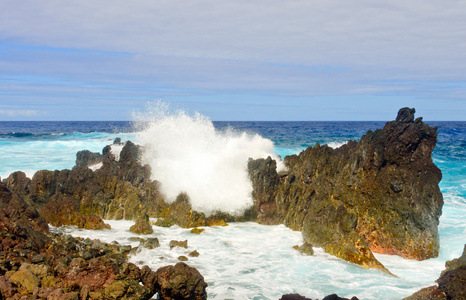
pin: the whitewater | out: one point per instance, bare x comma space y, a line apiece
243, 260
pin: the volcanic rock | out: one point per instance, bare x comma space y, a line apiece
142, 226
87, 158
379, 195
180, 282
181, 244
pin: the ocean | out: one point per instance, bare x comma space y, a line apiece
244, 260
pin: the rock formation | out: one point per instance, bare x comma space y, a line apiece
379, 195
35, 264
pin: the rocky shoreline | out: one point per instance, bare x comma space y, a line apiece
377, 195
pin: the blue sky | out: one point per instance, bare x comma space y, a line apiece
233, 60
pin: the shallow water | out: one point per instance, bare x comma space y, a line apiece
253, 261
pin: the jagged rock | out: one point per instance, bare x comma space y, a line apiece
377, 195
181, 244
180, 282
265, 179
151, 243
194, 254
306, 249
294, 297
428, 293
87, 158
141, 227
335, 297
37, 264
65, 211
405, 115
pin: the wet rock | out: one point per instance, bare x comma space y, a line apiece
141, 227
429, 293
335, 297
87, 158
265, 179
151, 243
63, 210
193, 254
197, 230
54, 266
294, 297
149, 279
181, 282
378, 195
181, 244
182, 258
306, 249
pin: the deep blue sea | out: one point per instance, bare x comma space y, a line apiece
246, 261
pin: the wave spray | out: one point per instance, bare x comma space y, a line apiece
188, 155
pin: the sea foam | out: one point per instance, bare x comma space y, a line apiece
188, 155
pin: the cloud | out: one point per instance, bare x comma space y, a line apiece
20, 113
76, 50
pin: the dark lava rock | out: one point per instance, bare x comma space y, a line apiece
335, 297
87, 158
180, 282
294, 297
380, 194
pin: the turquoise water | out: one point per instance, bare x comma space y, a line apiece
251, 261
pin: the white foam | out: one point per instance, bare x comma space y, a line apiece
95, 167
187, 154
335, 145
116, 150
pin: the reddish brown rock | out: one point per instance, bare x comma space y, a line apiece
180, 282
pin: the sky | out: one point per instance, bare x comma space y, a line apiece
233, 60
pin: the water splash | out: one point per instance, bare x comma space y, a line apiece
187, 154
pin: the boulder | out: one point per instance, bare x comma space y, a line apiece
141, 227
180, 282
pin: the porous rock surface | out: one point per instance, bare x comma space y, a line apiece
380, 194
35, 264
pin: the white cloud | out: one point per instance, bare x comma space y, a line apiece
19, 113
156, 49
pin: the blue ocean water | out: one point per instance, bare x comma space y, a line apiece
32, 146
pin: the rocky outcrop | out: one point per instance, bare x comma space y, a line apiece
118, 190
379, 195
35, 264
451, 283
